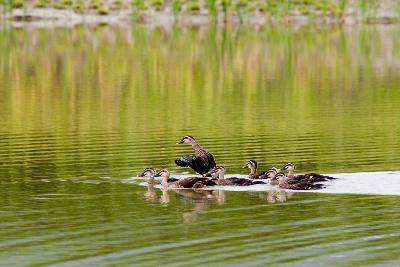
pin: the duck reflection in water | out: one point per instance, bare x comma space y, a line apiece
199, 198
150, 195
278, 196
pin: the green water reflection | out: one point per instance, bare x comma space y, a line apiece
111, 101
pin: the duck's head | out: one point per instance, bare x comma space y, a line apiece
277, 170
186, 139
216, 172
162, 173
272, 172
252, 164
148, 172
279, 176
289, 167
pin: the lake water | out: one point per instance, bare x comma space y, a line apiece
83, 110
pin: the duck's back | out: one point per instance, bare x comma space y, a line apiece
262, 175
302, 185
313, 177
201, 163
236, 181
188, 182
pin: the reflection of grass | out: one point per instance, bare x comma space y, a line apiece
79, 7
138, 7
225, 5
103, 10
176, 6
95, 4
212, 7
117, 4
303, 72
17, 3
157, 4
41, 3
342, 6
193, 6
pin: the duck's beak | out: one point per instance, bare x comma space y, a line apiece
140, 174
180, 142
158, 174
245, 166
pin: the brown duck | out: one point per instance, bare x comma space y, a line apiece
219, 172
150, 174
202, 160
287, 183
252, 165
187, 182
311, 177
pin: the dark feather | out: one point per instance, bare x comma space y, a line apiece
303, 185
262, 175
188, 182
200, 164
235, 181
313, 177
170, 180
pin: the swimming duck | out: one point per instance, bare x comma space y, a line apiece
293, 184
271, 175
219, 172
201, 162
311, 177
150, 173
252, 165
187, 182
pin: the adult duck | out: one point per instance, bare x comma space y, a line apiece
202, 160
219, 172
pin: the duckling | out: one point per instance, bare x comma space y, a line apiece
311, 177
293, 184
219, 172
271, 175
201, 162
187, 182
252, 165
150, 173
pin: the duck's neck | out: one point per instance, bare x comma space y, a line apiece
282, 180
291, 174
196, 147
151, 180
221, 176
164, 181
253, 170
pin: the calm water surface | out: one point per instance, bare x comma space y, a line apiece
83, 110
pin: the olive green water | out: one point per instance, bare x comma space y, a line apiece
83, 110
